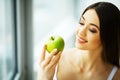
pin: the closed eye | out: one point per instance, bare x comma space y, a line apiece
81, 23
93, 30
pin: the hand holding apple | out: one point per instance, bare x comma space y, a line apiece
55, 42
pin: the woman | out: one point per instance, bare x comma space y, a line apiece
97, 49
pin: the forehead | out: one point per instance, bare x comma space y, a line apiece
91, 17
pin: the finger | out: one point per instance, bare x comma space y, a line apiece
54, 61
54, 52
49, 58
42, 56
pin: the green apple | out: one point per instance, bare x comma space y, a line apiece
55, 42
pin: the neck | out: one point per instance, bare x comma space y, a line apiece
89, 59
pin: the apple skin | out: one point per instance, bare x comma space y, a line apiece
55, 42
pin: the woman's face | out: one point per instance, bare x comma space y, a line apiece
88, 31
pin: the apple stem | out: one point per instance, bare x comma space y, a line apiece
52, 38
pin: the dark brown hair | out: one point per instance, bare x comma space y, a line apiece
109, 17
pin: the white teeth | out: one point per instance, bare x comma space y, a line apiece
82, 40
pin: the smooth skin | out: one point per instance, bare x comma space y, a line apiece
83, 62
48, 64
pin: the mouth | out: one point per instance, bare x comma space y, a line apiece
81, 40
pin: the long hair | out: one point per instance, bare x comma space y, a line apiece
109, 17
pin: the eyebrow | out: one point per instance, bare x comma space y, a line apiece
90, 23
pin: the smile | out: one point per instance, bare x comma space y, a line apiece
81, 40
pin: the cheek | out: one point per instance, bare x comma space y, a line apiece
76, 30
95, 41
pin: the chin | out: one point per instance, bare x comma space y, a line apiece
80, 46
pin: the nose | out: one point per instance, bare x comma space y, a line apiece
81, 31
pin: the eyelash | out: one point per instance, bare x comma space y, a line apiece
81, 23
91, 30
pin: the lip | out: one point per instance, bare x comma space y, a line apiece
81, 40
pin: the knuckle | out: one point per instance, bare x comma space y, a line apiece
49, 57
42, 65
54, 52
46, 69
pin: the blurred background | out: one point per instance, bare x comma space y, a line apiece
25, 25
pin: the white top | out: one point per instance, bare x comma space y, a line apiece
55, 75
114, 70
110, 77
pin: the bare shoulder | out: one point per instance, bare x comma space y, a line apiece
117, 75
67, 52
64, 64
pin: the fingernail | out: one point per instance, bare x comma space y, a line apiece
60, 52
55, 49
